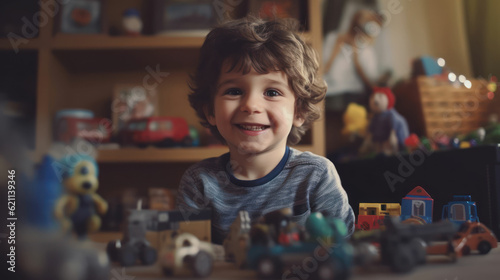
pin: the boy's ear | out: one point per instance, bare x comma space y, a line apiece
210, 117
298, 121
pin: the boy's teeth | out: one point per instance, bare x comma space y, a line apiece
253, 127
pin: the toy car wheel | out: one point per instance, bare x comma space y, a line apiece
418, 248
269, 268
167, 271
202, 264
484, 247
402, 260
112, 250
127, 255
148, 255
466, 250
325, 271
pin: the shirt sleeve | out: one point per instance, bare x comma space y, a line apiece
190, 198
330, 198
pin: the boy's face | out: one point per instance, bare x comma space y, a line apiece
254, 112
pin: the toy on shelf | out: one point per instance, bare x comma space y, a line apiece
78, 209
460, 210
187, 255
132, 23
81, 123
158, 131
387, 129
417, 206
372, 215
94, 130
355, 121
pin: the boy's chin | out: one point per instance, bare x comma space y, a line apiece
251, 149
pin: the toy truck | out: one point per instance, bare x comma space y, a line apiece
460, 210
372, 215
273, 257
402, 246
135, 245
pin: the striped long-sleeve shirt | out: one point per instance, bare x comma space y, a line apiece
302, 181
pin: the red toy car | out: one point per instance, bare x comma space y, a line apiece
94, 130
158, 131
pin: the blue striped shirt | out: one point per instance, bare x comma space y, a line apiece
302, 181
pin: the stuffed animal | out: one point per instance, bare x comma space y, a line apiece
78, 209
388, 129
355, 120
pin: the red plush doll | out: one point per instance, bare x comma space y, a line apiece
388, 129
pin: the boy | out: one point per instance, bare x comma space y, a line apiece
257, 89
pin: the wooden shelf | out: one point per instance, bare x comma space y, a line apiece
152, 154
105, 42
31, 44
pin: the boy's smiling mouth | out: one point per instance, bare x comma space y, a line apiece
251, 128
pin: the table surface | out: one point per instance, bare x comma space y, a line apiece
473, 266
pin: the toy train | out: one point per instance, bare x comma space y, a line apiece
416, 208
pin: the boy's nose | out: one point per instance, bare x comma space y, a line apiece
251, 104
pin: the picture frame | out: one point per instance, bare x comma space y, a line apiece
183, 17
132, 101
82, 17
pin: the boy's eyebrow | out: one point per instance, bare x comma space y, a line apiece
234, 80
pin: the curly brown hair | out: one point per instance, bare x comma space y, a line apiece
264, 46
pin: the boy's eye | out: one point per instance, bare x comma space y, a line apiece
233, 91
272, 93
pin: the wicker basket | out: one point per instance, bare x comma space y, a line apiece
434, 107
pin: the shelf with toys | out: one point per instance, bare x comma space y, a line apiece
84, 71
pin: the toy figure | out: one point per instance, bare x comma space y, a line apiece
355, 121
388, 129
132, 23
77, 208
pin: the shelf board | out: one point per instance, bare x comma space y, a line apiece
31, 44
105, 42
152, 154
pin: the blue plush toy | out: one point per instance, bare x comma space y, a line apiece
78, 209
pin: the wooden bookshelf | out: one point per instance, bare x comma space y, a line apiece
80, 71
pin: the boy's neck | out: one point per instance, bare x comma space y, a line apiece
252, 166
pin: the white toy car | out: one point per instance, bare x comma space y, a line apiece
186, 255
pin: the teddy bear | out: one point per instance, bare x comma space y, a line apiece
387, 130
79, 207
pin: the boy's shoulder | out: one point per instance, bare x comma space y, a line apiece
299, 158
209, 165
